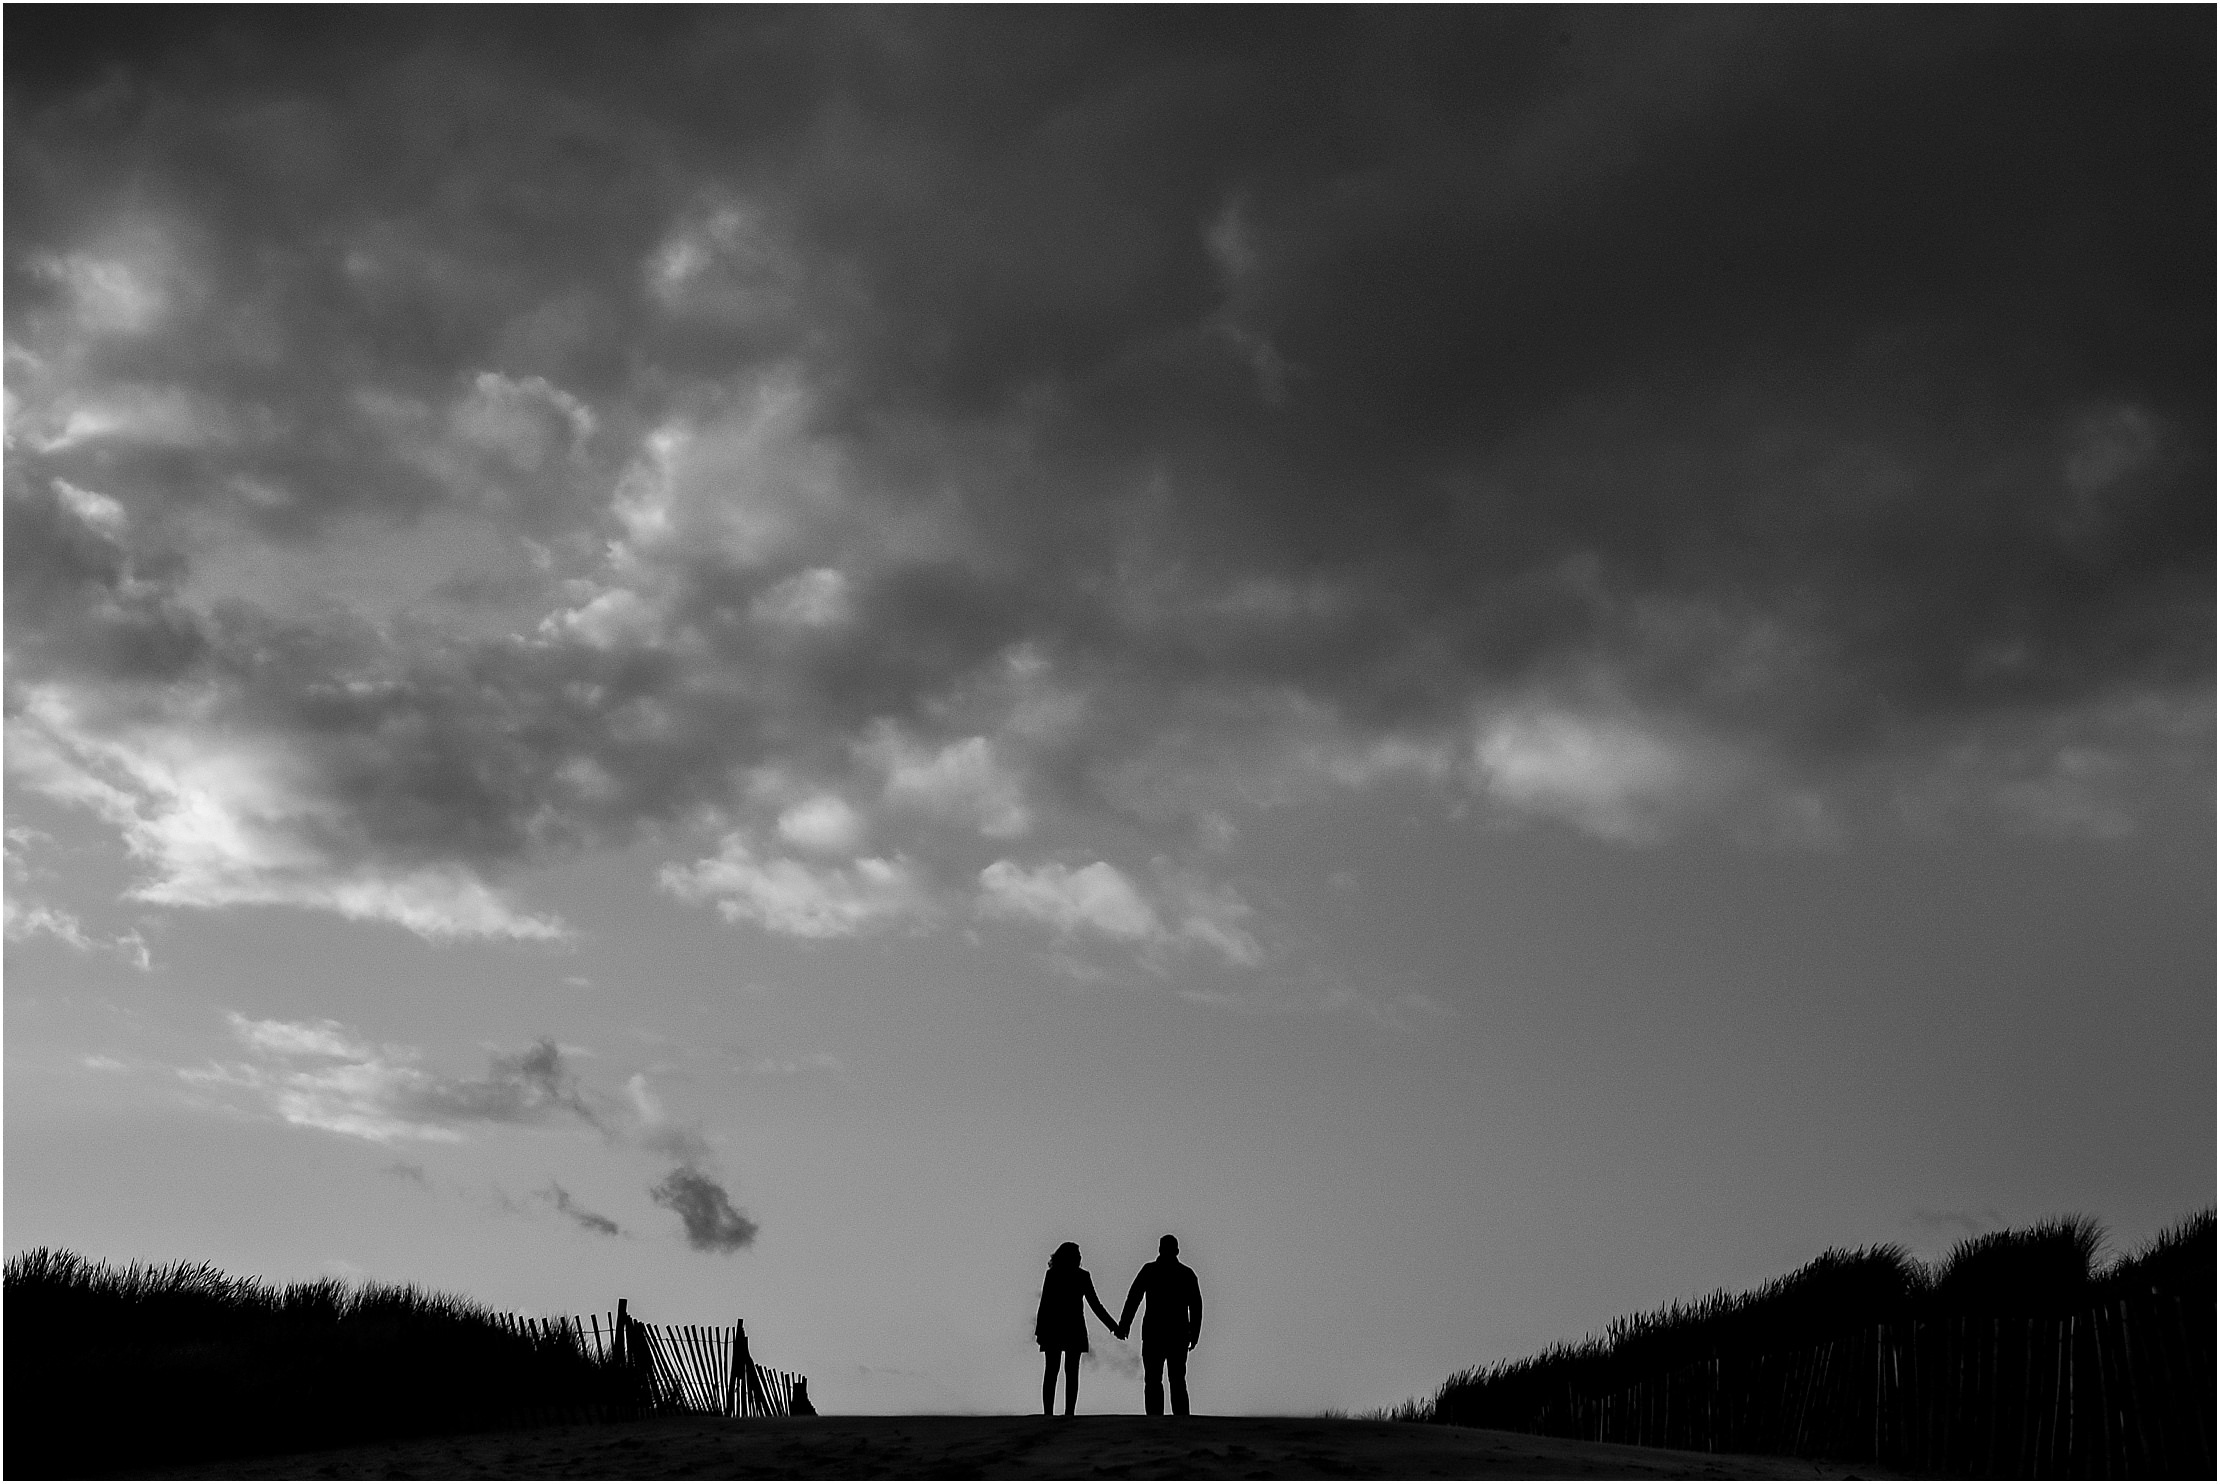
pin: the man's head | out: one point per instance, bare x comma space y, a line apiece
1169, 1247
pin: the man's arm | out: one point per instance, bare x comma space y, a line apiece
1132, 1301
1194, 1310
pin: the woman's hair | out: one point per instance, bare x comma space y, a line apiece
1067, 1256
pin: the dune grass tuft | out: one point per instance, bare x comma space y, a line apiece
115, 1370
2047, 1271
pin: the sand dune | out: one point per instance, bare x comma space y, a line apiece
1126, 1447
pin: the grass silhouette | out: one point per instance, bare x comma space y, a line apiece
112, 1370
2048, 1269
2178, 1260
2044, 1274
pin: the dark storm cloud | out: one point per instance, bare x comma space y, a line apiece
1596, 410
76, 598
712, 1225
1809, 324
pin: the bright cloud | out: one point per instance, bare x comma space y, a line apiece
95, 510
1101, 899
148, 416
614, 618
965, 780
744, 486
300, 1038
1098, 898
319, 1074
527, 421
121, 294
1217, 918
726, 264
784, 895
1609, 776
32, 919
315, 1076
223, 820
823, 822
815, 599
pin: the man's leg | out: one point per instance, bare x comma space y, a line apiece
1152, 1388
1178, 1361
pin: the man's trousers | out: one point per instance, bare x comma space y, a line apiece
1153, 1388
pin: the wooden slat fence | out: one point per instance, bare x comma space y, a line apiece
694, 1368
2125, 1390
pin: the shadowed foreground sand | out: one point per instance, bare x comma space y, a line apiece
1015, 1448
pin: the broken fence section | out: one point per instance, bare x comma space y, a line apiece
661, 1368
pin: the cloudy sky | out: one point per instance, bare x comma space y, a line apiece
1502, 665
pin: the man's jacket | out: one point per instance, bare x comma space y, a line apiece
1174, 1320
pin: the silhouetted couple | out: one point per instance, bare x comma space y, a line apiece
1169, 1330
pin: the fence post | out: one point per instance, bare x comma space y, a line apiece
623, 1337
2142, 1403
2057, 1370
2110, 1424
746, 1370
1880, 1343
1997, 1411
2074, 1439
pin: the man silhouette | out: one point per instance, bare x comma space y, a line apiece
1173, 1325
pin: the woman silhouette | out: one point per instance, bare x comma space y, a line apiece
1061, 1325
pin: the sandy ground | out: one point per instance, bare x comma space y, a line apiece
1015, 1448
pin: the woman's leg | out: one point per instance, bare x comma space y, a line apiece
1071, 1382
1048, 1384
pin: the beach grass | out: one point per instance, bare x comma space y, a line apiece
2018, 1287
118, 1369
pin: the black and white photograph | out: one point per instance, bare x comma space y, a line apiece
1110, 741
